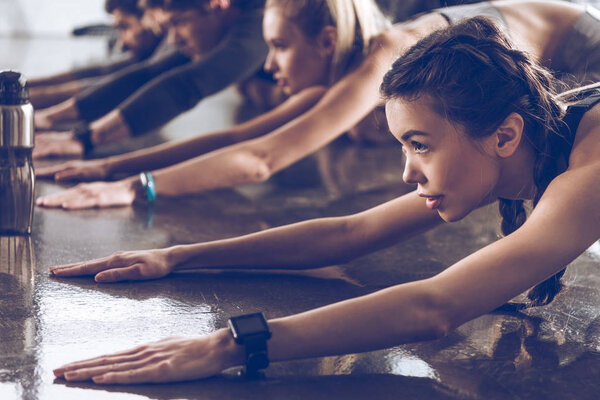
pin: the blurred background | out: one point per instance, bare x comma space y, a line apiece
57, 18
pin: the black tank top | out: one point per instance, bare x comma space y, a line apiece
575, 111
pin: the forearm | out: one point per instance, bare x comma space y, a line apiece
52, 80
109, 129
400, 314
308, 244
313, 243
166, 154
46, 96
91, 71
227, 167
65, 111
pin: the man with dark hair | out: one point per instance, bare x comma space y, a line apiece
134, 34
128, 6
223, 44
138, 37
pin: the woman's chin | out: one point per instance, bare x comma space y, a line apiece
450, 216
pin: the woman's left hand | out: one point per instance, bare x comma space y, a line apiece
121, 266
91, 195
168, 360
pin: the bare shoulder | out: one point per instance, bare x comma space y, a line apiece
387, 46
409, 32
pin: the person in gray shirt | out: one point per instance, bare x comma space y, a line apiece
220, 43
139, 36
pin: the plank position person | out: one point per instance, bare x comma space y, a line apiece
478, 122
140, 36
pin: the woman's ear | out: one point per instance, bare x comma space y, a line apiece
327, 40
508, 135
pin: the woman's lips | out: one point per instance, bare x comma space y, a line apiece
433, 202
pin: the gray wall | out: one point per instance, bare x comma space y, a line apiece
48, 17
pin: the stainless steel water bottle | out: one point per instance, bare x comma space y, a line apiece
17, 178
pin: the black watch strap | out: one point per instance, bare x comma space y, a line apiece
257, 357
83, 133
252, 331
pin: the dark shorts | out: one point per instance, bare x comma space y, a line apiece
484, 9
577, 58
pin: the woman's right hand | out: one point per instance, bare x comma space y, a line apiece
76, 170
168, 360
91, 195
121, 266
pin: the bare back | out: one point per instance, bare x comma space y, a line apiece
538, 26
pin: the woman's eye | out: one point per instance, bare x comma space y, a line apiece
418, 147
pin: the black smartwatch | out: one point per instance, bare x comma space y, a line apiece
252, 331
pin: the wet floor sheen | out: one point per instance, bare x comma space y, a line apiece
546, 353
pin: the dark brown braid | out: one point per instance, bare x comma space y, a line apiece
476, 79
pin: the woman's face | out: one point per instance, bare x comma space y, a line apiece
296, 61
454, 173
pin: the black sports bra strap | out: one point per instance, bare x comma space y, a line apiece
576, 111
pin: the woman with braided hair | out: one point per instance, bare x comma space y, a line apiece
478, 123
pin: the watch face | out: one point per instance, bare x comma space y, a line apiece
249, 324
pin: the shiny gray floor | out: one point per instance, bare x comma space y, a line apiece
546, 353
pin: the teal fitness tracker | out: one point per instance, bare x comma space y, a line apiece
252, 332
147, 182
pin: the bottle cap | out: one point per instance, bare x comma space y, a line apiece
13, 89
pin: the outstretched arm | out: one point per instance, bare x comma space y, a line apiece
91, 71
174, 152
46, 96
565, 222
308, 244
111, 127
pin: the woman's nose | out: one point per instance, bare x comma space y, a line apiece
172, 37
412, 174
269, 64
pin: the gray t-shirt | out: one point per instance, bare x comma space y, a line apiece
174, 84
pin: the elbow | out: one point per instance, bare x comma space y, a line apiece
261, 172
438, 313
434, 325
430, 316
256, 167
439, 328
